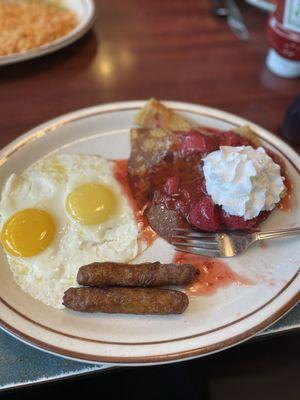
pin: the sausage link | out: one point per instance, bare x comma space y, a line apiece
126, 300
146, 274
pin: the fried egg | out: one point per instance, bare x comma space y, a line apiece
61, 213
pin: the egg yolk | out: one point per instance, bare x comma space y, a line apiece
28, 232
91, 204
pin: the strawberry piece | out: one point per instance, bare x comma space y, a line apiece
230, 138
205, 215
197, 143
183, 204
200, 188
171, 185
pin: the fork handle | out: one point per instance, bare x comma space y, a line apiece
277, 234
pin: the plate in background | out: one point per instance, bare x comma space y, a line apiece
85, 11
211, 323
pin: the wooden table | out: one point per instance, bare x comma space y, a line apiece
170, 49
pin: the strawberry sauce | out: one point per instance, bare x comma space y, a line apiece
214, 274
172, 189
121, 174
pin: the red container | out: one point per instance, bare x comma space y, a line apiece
283, 33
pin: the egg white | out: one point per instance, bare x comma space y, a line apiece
46, 185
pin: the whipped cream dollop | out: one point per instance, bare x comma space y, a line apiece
243, 180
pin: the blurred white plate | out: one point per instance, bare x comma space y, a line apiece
265, 5
84, 10
211, 323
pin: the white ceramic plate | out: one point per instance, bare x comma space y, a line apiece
84, 10
265, 5
211, 323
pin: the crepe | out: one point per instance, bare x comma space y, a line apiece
155, 157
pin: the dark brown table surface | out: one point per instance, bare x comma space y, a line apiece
170, 49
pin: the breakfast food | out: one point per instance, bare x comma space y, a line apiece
242, 180
62, 212
126, 300
147, 274
28, 24
169, 182
70, 210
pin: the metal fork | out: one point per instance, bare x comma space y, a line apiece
222, 244
230, 10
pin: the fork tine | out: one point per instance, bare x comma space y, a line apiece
197, 245
189, 232
207, 253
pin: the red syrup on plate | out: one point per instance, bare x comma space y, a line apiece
214, 274
121, 174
